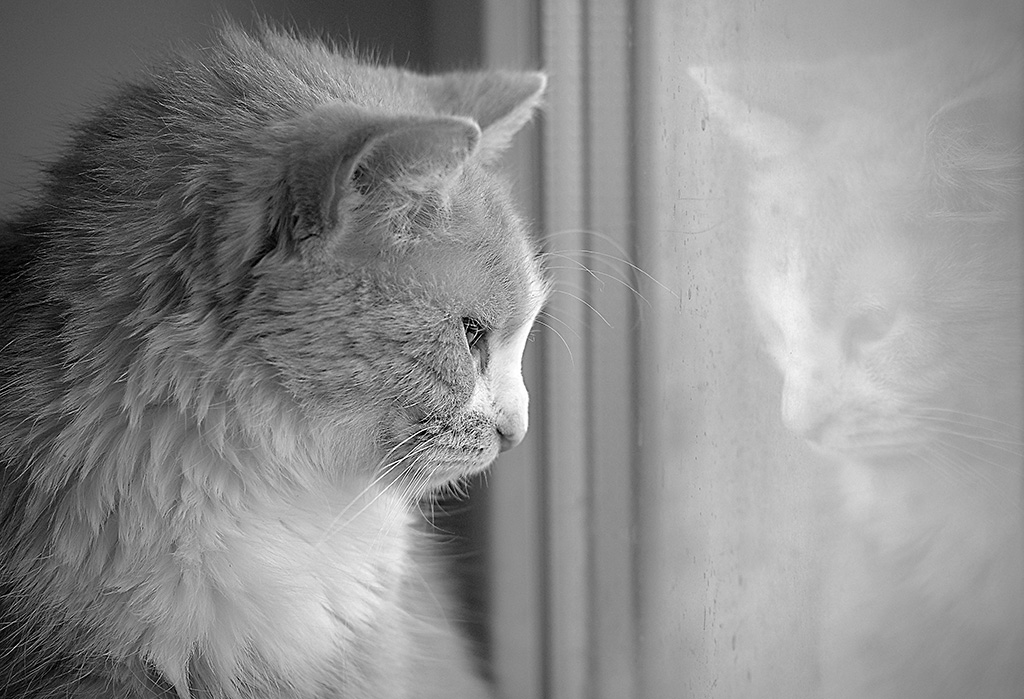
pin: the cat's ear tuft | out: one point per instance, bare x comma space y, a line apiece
501, 102
764, 135
339, 154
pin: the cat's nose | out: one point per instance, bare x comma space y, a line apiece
511, 432
511, 408
513, 418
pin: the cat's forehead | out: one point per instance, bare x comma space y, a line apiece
503, 280
489, 269
816, 250
818, 208
492, 254
806, 282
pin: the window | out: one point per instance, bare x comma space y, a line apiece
661, 533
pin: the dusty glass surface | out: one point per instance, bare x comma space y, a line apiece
830, 481
782, 458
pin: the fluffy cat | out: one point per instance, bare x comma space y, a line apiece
884, 267
270, 298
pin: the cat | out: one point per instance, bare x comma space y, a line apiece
884, 268
272, 296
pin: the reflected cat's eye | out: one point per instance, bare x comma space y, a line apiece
866, 327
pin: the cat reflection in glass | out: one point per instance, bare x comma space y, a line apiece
884, 266
270, 297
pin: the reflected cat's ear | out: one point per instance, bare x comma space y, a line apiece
764, 135
338, 154
974, 139
501, 102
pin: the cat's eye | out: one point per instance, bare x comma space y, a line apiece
867, 327
475, 332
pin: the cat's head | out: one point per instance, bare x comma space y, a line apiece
322, 241
402, 283
883, 260
395, 278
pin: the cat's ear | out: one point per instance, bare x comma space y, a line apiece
501, 102
339, 154
764, 135
973, 142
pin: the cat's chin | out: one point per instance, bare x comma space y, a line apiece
441, 470
447, 472
452, 484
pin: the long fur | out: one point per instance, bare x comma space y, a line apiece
233, 359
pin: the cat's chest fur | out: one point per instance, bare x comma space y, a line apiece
265, 581
334, 595
923, 582
315, 584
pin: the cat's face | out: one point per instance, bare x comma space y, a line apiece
882, 271
324, 243
833, 293
425, 335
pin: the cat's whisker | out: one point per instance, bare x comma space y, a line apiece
599, 275
608, 258
581, 300
955, 429
382, 474
413, 453
602, 276
430, 503
576, 313
976, 458
388, 467
945, 467
965, 417
591, 233
338, 522
963, 473
550, 327
578, 267
560, 284
931, 410
1007, 446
